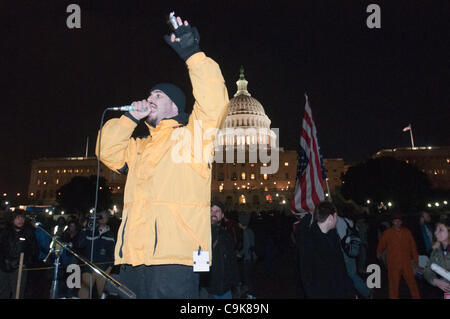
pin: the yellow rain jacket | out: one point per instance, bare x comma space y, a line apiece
166, 214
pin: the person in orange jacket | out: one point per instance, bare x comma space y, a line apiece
401, 256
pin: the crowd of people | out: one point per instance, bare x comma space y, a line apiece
18, 235
330, 251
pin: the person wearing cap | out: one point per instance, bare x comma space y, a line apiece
15, 239
102, 255
321, 261
166, 214
223, 275
440, 256
401, 257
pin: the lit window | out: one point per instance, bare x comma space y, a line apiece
221, 188
286, 164
242, 199
252, 176
266, 189
64, 171
253, 165
265, 176
243, 176
269, 198
76, 171
264, 164
57, 181
38, 182
58, 171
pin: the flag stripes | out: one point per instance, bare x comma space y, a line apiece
309, 189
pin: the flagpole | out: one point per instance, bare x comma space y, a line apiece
87, 147
328, 190
411, 134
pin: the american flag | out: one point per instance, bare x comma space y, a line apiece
310, 170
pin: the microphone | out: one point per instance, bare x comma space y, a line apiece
125, 108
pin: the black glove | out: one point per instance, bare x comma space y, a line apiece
189, 41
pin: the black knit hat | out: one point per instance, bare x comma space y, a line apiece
174, 93
18, 212
177, 96
218, 204
244, 219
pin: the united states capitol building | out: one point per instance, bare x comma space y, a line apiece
250, 171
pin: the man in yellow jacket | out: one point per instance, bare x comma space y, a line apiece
166, 214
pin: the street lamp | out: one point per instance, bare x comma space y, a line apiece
389, 204
368, 201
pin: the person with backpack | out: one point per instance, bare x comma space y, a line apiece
350, 245
322, 267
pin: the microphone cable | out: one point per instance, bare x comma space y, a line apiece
96, 199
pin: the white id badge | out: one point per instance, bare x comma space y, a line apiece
201, 261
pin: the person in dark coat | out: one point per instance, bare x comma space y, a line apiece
103, 254
423, 234
322, 267
223, 274
15, 239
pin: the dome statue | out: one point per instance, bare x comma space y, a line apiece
246, 122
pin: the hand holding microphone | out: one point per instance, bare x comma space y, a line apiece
141, 109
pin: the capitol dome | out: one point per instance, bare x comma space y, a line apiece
246, 122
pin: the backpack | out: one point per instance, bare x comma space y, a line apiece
351, 242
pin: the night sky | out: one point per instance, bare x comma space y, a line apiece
365, 85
